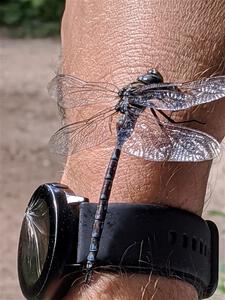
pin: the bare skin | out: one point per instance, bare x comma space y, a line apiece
116, 41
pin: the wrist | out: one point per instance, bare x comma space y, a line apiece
139, 181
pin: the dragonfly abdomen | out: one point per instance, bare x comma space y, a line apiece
101, 211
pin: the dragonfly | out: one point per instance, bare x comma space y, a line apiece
136, 112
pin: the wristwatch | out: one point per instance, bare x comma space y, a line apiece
139, 238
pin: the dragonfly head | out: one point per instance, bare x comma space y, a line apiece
152, 76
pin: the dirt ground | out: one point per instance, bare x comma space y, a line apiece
27, 118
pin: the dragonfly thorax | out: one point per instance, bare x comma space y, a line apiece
128, 90
127, 95
122, 106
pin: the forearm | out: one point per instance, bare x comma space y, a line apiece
116, 41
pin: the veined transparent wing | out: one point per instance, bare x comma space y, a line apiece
82, 135
169, 142
179, 96
70, 92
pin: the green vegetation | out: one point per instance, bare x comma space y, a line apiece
35, 18
221, 285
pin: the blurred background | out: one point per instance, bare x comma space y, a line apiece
29, 56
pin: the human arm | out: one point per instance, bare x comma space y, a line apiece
116, 41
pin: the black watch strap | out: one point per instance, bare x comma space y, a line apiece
154, 239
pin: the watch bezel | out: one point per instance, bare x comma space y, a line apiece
63, 239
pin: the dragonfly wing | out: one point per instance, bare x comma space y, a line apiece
70, 92
178, 96
82, 135
170, 143
206, 90
172, 100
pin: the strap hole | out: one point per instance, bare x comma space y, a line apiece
205, 250
172, 237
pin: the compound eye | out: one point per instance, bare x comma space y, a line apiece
145, 78
150, 78
156, 73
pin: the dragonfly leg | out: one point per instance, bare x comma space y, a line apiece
156, 117
178, 122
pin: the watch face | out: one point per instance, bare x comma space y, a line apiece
34, 240
48, 242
